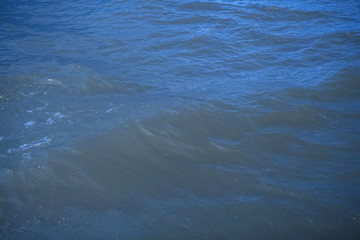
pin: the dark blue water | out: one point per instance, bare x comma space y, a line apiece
179, 119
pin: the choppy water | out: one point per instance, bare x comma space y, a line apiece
179, 119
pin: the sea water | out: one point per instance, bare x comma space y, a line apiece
179, 119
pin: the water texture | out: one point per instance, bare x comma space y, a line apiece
179, 119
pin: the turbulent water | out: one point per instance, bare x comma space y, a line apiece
179, 119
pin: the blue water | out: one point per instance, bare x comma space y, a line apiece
179, 119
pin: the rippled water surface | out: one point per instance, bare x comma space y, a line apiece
179, 119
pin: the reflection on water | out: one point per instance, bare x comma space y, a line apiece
179, 120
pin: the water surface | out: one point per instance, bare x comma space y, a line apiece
179, 119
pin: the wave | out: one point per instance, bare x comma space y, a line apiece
202, 157
185, 120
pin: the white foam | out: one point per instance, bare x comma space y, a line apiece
35, 144
58, 115
49, 120
109, 110
54, 82
1, 138
29, 123
11, 150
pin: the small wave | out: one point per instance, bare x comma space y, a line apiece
278, 13
185, 20
344, 84
29, 124
27, 146
202, 6
35, 144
